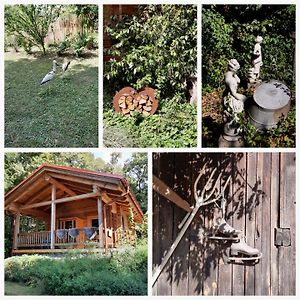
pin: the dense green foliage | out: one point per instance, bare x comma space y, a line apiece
229, 31
174, 126
156, 48
122, 273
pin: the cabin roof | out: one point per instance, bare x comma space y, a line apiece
37, 187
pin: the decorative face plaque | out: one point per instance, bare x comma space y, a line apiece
128, 100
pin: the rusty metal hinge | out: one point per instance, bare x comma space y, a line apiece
282, 237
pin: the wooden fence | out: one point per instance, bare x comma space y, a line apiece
261, 199
62, 28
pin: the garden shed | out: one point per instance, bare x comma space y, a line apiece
261, 202
80, 209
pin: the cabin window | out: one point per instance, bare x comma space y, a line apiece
67, 224
95, 223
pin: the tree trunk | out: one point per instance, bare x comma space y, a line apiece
43, 47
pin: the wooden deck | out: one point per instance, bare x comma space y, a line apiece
40, 242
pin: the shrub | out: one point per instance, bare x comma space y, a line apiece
122, 273
157, 48
174, 126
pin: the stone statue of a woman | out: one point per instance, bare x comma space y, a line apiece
233, 103
257, 62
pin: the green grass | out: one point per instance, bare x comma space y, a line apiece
19, 289
62, 113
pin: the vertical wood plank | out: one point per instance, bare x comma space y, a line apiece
287, 220
181, 255
225, 269
239, 190
195, 263
155, 221
275, 194
266, 232
53, 216
252, 198
165, 224
105, 226
211, 248
258, 227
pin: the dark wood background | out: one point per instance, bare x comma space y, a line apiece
260, 197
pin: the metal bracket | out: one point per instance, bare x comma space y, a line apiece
282, 237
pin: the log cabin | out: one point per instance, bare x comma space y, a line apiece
80, 209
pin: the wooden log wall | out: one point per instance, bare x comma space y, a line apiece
261, 197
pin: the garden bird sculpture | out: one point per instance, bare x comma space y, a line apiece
50, 75
65, 66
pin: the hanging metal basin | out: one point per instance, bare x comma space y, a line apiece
271, 103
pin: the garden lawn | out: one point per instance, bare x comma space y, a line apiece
15, 288
61, 113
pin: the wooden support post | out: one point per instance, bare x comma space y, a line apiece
100, 221
16, 230
105, 227
53, 215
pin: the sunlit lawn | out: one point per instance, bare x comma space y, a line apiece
62, 113
20, 289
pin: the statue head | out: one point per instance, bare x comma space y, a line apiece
258, 39
233, 65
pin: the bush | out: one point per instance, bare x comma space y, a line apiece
83, 41
123, 273
158, 48
174, 126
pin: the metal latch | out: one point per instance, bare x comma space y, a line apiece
282, 237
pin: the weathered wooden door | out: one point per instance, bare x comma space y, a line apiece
261, 202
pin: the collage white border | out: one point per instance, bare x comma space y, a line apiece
148, 150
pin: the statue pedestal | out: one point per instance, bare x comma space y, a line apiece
226, 141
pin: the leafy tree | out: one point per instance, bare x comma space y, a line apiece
88, 14
30, 22
136, 171
113, 165
156, 48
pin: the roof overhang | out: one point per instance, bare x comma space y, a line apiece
35, 190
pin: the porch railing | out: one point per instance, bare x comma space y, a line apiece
74, 238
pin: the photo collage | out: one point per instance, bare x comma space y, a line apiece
148, 148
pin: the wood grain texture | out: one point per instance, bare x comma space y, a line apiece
260, 198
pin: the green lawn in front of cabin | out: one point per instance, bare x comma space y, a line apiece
61, 113
20, 289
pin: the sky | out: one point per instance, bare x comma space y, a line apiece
106, 156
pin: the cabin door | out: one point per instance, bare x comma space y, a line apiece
67, 223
